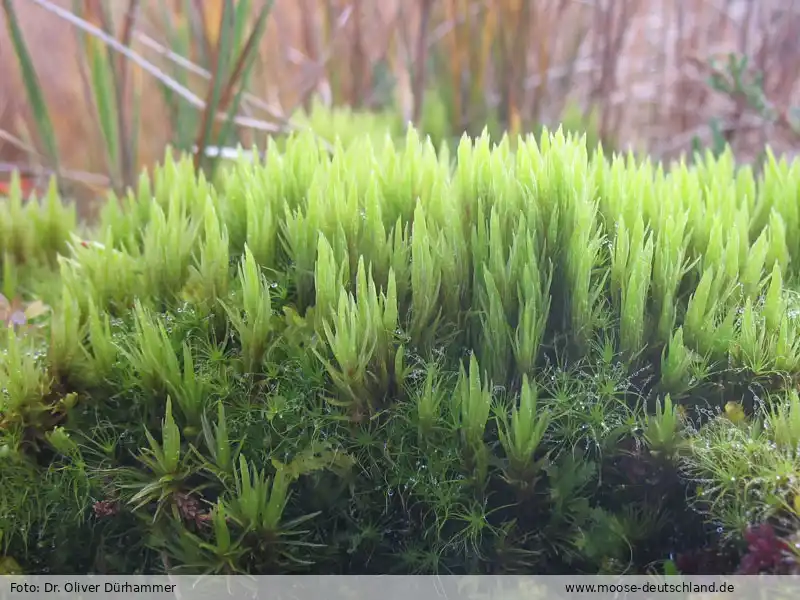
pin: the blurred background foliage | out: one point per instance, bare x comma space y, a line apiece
94, 91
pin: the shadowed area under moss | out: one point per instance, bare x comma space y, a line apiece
388, 359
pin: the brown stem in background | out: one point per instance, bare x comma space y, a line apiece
784, 44
519, 69
740, 101
358, 59
703, 92
383, 54
310, 36
682, 85
744, 33
616, 29
421, 60
331, 18
502, 58
129, 162
318, 69
546, 52
229, 89
598, 20
629, 9
455, 62
213, 53
201, 16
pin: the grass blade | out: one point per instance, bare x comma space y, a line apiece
241, 71
221, 58
32, 86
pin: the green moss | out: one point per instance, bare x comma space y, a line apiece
328, 360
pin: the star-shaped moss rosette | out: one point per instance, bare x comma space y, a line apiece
15, 313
